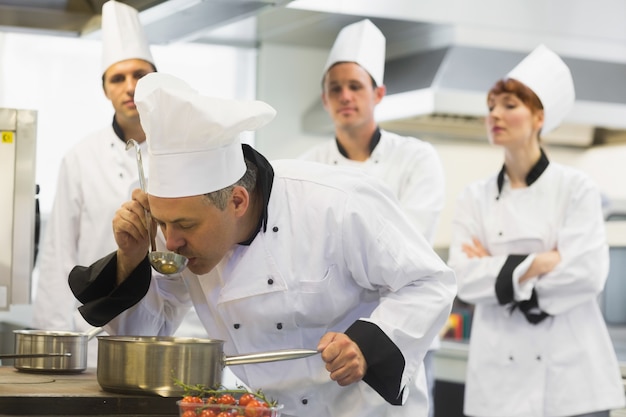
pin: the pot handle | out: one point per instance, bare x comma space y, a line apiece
270, 356
94, 332
32, 355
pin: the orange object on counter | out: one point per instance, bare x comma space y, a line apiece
453, 328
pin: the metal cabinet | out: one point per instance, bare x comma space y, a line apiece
18, 131
613, 300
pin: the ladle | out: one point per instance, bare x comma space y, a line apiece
163, 262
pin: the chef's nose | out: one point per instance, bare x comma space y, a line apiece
131, 83
345, 94
173, 242
496, 111
492, 116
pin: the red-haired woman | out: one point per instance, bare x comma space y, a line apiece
530, 253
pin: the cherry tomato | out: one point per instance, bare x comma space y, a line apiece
224, 414
189, 413
254, 408
207, 413
227, 399
246, 398
191, 402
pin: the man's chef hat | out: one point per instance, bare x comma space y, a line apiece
122, 35
361, 42
193, 140
548, 76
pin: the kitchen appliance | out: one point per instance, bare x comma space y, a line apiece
18, 131
151, 364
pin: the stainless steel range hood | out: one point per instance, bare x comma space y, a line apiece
440, 93
164, 20
57, 17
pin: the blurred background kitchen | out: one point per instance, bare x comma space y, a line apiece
442, 56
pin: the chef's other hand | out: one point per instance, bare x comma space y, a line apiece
543, 263
131, 236
475, 249
344, 359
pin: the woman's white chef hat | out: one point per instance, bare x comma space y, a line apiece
122, 35
544, 72
193, 140
361, 42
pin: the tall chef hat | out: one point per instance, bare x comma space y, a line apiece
193, 140
122, 35
544, 72
361, 42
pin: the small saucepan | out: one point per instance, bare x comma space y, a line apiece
150, 364
47, 350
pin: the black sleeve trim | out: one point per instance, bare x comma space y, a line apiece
385, 362
94, 286
531, 309
504, 281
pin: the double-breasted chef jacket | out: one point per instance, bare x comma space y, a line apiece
333, 253
540, 349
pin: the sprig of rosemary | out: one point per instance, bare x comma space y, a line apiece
200, 390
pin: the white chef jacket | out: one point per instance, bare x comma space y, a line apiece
565, 365
410, 167
322, 264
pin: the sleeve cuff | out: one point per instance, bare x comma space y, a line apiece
385, 362
102, 300
504, 282
524, 291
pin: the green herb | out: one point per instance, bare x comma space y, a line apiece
200, 390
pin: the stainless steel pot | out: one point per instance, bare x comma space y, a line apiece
37, 342
150, 365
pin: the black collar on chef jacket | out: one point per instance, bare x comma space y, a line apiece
264, 181
533, 175
373, 142
118, 130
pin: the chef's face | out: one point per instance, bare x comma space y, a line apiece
349, 95
510, 122
196, 228
119, 81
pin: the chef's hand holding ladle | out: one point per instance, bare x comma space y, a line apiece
163, 262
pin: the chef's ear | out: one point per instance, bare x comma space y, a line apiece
379, 93
240, 200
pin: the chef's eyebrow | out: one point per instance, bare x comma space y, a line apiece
179, 220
